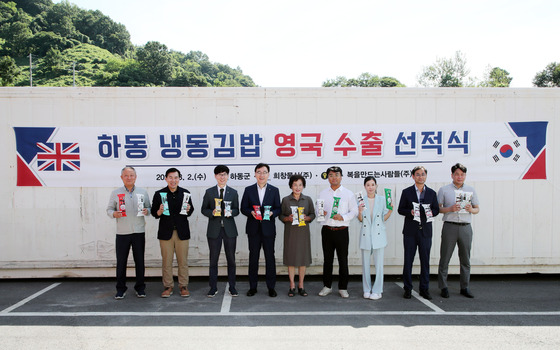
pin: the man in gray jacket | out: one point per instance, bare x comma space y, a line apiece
129, 204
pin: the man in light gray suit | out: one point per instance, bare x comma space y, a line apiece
221, 204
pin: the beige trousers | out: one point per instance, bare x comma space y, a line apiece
181, 250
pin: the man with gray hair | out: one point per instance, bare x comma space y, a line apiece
128, 205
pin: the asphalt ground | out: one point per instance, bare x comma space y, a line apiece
519, 310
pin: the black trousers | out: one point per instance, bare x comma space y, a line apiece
258, 240
123, 243
335, 241
215, 246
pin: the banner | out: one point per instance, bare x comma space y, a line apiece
94, 156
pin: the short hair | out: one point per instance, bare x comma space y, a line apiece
294, 178
368, 178
128, 167
460, 167
262, 165
418, 167
172, 170
334, 169
221, 169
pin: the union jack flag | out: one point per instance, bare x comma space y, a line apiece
58, 156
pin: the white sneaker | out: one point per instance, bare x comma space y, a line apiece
325, 291
343, 293
367, 295
375, 296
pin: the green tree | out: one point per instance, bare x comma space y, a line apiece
549, 77
363, 80
496, 77
52, 61
446, 72
34, 7
9, 71
155, 60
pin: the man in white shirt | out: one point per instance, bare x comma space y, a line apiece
339, 209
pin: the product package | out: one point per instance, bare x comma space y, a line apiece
218, 211
360, 199
122, 206
429, 214
140, 204
416, 211
388, 199
295, 216
165, 204
257, 210
184, 211
335, 206
320, 209
227, 209
463, 198
301, 216
267, 212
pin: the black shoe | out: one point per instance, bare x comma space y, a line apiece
141, 293
272, 293
292, 292
445, 293
407, 294
466, 292
233, 292
302, 292
251, 292
425, 294
212, 293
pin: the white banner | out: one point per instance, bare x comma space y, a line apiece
93, 157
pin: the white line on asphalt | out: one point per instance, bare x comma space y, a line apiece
29, 298
226, 302
422, 300
294, 313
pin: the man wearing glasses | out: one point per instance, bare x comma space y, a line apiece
419, 206
340, 208
261, 205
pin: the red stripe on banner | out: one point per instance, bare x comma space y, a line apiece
538, 169
25, 176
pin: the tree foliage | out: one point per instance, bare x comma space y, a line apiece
61, 36
446, 72
496, 77
549, 77
9, 71
363, 80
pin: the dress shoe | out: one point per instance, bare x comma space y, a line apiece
272, 293
445, 293
251, 292
407, 294
466, 292
425, 294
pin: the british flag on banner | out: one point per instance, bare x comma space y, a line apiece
58, 156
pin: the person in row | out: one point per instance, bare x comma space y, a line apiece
297, 212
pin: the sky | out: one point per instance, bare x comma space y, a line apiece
303, 43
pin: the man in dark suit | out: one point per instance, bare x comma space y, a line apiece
221, 227
173, 231
417, 235
261, 205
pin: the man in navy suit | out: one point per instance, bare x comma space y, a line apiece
261, 205
221, 227
417, 234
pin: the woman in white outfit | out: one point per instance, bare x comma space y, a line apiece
373, 239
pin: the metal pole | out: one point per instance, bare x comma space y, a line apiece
74, 74
30, 70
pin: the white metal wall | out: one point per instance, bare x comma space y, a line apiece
48, 232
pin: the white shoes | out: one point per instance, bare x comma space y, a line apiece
325, 291
367, 295
343, 293
375, 296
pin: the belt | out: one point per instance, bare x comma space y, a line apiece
336, 228
458, 223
